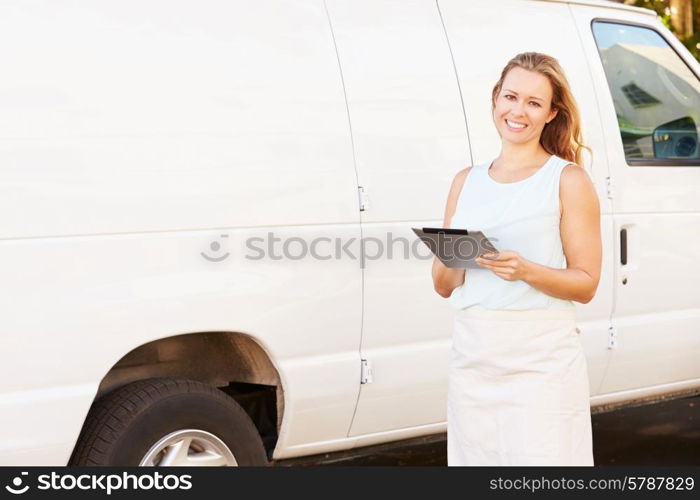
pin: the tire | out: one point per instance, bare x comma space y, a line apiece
130, 424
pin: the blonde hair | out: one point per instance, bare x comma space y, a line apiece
562, 135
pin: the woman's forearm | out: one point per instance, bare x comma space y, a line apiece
568, 284
446, 279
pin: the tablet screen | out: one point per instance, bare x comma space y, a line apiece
445, 230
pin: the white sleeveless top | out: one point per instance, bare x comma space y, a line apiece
522, 216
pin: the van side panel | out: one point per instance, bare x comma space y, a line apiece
164, 116
143, 146
410, 140
651, 80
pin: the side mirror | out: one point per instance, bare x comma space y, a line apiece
676, 139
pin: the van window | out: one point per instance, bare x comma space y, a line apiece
656, 95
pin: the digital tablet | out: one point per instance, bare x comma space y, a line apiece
456, 248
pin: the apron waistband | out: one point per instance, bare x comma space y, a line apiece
477, 311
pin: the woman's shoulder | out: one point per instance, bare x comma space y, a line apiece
460, 178
462, 174
455, 191
568, 171
576, 186
573, 173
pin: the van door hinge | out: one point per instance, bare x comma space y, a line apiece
609, 186
612, 338
364, 201
366, 372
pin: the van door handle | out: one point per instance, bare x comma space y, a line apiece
623, 246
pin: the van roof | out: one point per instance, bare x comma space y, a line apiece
608, 4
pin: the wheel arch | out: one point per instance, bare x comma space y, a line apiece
234, 362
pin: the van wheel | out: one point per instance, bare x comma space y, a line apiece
169, 422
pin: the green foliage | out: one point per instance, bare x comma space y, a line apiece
666, 19
661, 7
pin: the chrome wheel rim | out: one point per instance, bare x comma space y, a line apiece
189, 448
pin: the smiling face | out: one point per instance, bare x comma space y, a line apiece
524, 102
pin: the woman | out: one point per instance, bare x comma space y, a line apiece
518, 384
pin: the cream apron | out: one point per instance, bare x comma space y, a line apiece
518, 389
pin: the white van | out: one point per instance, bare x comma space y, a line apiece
186, 187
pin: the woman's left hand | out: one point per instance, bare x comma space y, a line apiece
509, 265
